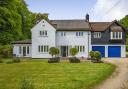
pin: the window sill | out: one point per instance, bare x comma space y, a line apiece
43, 52
43, 36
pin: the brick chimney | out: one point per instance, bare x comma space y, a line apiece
87, 17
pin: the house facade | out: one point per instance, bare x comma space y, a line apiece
105, 37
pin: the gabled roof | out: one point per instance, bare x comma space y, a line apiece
70, 25
27, 41
99, 26
102, 26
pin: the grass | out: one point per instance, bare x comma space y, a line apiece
54, 76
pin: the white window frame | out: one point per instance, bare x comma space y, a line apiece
80, 48
43, 48
43, 33
97, 34
116, 35
79, 34
63, 33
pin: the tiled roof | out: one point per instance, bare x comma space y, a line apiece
70, 24
28, 41
99, 26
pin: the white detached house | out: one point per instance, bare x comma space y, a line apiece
63, 34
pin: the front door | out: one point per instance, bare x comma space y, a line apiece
24, 51
64, 51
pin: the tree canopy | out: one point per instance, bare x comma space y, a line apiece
16, 21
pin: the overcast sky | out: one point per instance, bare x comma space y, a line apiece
99, 10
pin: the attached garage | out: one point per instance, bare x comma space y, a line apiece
114, 51
101, 49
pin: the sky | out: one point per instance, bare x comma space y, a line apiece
99, 10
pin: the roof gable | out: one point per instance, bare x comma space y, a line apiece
102, 26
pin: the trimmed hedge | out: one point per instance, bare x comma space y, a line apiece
54, 60
74, 60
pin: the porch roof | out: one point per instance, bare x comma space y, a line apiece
27, 41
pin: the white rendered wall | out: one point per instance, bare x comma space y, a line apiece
72, 40
37, 40
17, 53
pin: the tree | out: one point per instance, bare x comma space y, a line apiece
54, 51
73, 51
16, 21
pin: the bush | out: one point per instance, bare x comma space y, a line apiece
95, 56
74, 60
92, 54
6, 51
25, 84
73, 51
16, 60
126, 48
54, 60
54, 51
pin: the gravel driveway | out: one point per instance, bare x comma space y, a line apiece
119, 79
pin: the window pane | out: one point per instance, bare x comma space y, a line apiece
47, 48
80, 48
38, 48
19, 49
42, 48
45, 33
83, 49
27, 49
76, 33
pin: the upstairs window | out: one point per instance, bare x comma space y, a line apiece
116, 35
97, 34
43, 48
43, 33
79, 33
63, 33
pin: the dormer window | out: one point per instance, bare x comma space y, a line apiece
116, 35
97, 34
43, 33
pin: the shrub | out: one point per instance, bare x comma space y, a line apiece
54, 51
54, 60
97, 55
92, 54
74, 60
6, 51
73, 51
26, 84
127, 48
16, 60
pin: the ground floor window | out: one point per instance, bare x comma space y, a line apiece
19, 49
43, 48
80, 48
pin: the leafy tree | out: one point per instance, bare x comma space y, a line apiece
124, 23
16, 21
73, 51
54, 51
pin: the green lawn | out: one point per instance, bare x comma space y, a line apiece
54, 76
